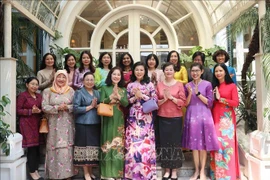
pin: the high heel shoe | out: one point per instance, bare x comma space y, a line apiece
166, 178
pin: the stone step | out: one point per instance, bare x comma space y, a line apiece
184, 173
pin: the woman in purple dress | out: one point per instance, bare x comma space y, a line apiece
140, 157
199, 132
29, 111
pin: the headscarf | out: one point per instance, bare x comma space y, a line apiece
60, 90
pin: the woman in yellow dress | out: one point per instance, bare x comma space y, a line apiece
180, 74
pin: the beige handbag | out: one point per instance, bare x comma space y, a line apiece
44, 128
105, 110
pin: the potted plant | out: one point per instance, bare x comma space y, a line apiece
4, 127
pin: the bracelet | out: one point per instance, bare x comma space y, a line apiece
198, 93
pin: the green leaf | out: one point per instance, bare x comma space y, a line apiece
6, 99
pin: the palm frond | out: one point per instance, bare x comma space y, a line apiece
265, 27
246, 20
266, 69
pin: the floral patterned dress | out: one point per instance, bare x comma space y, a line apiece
224, 163
140, 158
60, 139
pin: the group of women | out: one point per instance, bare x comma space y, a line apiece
125, 145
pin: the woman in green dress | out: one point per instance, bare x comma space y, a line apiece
112, 128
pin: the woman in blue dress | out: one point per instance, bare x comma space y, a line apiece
104, 66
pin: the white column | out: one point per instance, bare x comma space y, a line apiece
262, 93
8, 70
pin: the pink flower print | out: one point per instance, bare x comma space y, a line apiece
61, 164
218, 157
68, 170
52, 159
225, 123
220, 172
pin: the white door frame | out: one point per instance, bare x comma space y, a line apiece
132, 11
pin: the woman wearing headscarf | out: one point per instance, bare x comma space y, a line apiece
57, 104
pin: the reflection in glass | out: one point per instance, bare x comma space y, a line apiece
173, 10
161, 39
148, 24
119, 25
187, 33
145, 41
81, 35
162, 57
144, 55
122, 42
106, 41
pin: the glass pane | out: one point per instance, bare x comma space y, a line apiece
81, 35
173, 10
161, 39
162, 57
144, 55
148, 24
116, 4
107, 41
145, 41
119, 25
122, 42
95, 11
152, 3
51, 4
187, 33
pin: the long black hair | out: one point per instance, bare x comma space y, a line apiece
91, 66
43, 64
66, 60
149, 57
228, 79
145, 79
100, 64
109, 82
178, 65
121, 65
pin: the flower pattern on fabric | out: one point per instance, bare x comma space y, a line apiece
140, 159
224, 163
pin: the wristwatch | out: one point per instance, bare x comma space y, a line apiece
198, 93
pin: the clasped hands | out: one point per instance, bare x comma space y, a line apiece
36, 110
115, 96
190, 89
167, 94
137, 92
63, 107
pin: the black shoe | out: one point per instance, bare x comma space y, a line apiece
166, 178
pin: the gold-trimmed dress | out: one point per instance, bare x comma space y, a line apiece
112, 136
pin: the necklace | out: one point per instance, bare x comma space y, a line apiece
169, 83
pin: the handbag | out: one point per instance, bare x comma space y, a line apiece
105, 110
149, 106
44, 128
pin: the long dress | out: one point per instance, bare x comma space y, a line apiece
199, 131
112, 136
140, 158
60, 139
224, 163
